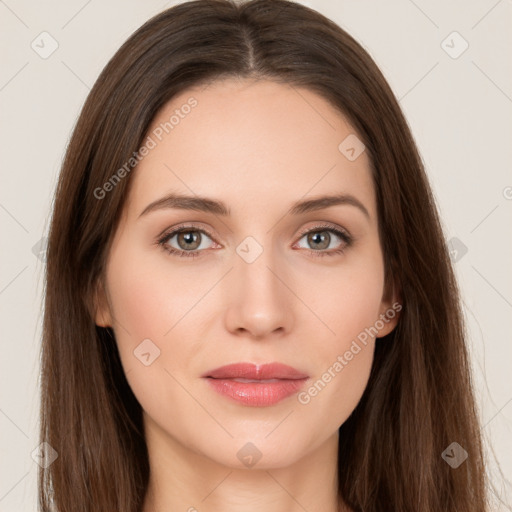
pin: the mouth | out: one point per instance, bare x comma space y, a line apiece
256, 386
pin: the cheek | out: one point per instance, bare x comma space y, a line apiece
347, 298
147, 302
149, 296
343, 363
150, 301
343, 350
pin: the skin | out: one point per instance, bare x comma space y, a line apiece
258, 147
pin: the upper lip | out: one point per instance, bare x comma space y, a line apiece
255, 372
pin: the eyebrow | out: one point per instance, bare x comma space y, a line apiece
208, 205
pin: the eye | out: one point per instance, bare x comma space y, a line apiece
186, 241
190, 241
320, 238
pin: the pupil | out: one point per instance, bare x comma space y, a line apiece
317, 238
189, 237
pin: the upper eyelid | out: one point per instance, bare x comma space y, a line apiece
327, 226
172, 231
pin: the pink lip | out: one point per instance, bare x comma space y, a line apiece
287, 381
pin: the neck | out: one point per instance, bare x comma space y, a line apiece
182, 479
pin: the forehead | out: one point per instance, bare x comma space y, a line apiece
245, 140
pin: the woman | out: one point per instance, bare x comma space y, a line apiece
249, 301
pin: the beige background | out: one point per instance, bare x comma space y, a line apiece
459, 109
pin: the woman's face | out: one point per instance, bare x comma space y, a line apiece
258, 289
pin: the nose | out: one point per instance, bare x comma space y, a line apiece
259, 302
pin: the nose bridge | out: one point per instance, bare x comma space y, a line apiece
256, 273
258, 300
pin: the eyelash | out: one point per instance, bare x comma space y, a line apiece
162, 241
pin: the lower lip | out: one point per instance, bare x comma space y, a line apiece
256, 394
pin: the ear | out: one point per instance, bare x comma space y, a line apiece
102, 313
390, 308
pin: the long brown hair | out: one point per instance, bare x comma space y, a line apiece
419, 397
